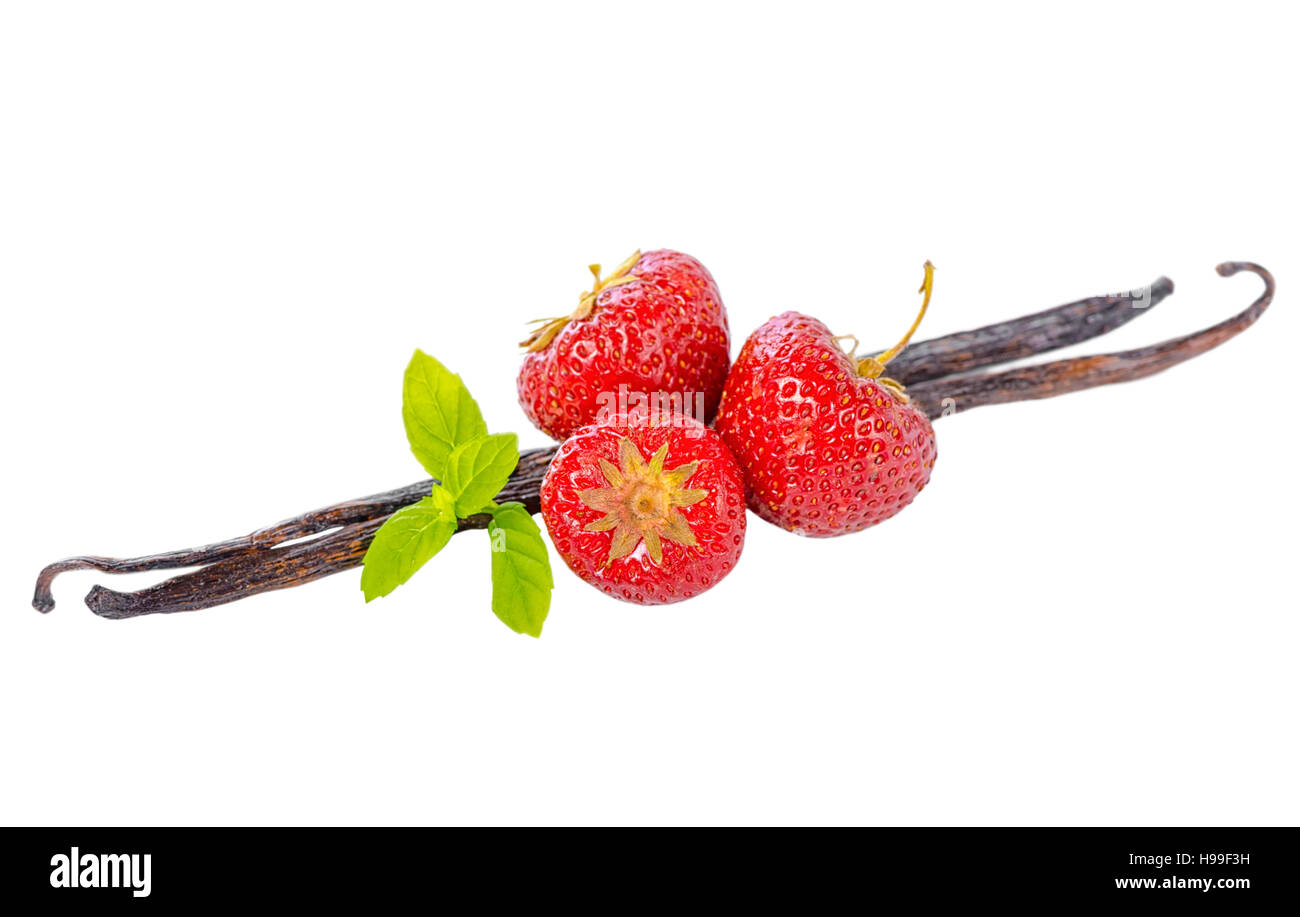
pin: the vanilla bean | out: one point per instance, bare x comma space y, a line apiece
259, 562
242, 575
241, 567
1026, 336
314, 522
953, 394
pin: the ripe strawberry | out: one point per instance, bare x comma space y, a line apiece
656, 324
827, 445
650, 513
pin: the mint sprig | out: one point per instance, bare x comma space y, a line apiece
449, 437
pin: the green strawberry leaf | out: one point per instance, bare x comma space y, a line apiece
476, 471
521, 570
438, 411
406, 542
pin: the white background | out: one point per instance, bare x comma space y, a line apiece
224, 227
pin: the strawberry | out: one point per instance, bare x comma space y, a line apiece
656, 324
648, 512
828, 446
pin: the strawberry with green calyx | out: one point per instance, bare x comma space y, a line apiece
648, 511
655, 324
828, 444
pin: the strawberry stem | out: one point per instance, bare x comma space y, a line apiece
873, 367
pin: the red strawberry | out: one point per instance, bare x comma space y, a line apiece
648, 513
656, 324
827, 446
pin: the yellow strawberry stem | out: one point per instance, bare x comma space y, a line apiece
873, 367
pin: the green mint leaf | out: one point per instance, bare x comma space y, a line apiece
521, 570
476, 471
406, 542
438, 411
